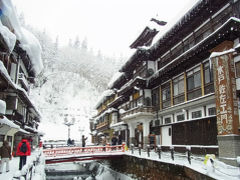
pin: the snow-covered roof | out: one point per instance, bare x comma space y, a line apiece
129, 83
11, 124
215, 54
102, 98
33, 48
145, 38
30, 128
2, 107
170, 64
115, 77
24, 131
28, 41
8, 36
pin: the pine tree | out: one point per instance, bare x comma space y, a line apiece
76, 43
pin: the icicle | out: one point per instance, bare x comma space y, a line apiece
210, 63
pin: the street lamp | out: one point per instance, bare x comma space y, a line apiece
68, 124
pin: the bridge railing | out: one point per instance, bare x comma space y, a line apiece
65, 151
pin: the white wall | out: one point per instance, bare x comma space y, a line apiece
166, 139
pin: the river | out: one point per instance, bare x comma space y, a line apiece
84, 170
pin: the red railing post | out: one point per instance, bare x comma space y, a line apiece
123, 147
108, 148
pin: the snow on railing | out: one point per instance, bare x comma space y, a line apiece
29, 169
69, 151
209, 163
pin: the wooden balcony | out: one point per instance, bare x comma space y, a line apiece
103, 124
142, 109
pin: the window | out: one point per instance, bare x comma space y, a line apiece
196, 114
194, 83
178, 86
211, 111
178, 90
208, 73
237, 67
167, 120
166, 95
180, 117
194, 79
208, 79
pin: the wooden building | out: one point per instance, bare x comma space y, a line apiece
17, 72
169, 89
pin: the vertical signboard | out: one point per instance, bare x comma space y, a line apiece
225, 91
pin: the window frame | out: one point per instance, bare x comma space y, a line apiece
209, 107
180, 113
195, 110
166, 117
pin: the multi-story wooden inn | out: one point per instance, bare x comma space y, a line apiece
18, 67
174, 93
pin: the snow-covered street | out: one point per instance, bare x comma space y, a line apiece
36, 160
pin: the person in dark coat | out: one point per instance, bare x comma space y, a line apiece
23, 150
5, 154
119, 140
114, 140
84, 141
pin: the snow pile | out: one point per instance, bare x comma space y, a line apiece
216, 54
40, 169
9, 123
27, 41
105, 94
115, 77
210, 167
2, 107
30, 44
36, 162
8, 37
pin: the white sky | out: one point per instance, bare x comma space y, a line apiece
108, 25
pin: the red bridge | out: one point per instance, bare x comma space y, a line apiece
69, 154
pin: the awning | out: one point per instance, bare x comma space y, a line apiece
9, 123
23, 131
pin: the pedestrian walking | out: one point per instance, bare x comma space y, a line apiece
114, 140
23, 150
5, 154
84, 141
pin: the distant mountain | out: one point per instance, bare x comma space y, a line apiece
69, 86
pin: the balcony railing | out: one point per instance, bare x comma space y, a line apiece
140, 109
103, 124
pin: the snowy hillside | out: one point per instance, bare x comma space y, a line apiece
69, 86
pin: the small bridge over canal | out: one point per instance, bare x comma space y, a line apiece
70, 154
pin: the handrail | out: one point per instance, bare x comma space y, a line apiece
66, 151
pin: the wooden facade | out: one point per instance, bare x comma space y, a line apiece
16, 74
182, 97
